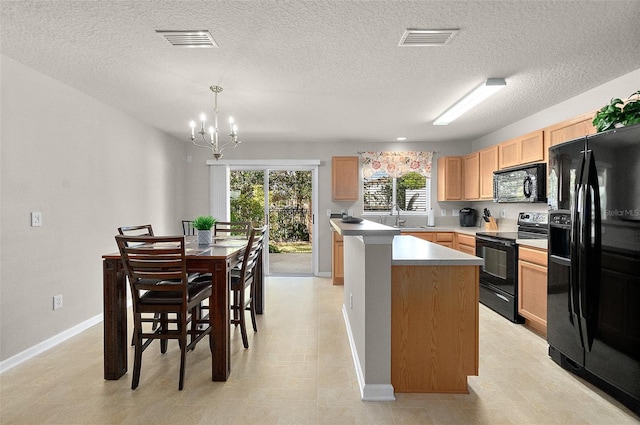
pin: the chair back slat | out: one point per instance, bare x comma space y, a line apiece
154, 263
253, 251
187, 228
139, 230
232, 228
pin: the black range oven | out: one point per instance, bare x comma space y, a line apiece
499, 273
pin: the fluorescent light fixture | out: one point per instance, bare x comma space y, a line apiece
479, 94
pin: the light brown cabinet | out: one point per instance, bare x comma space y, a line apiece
444, 239
472, 176
450, 178
344, 178
465, 243
488, 164
427, 236
570, 129
337, 258
441, 238
522, 150
532, 287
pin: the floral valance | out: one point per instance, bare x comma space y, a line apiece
396, 164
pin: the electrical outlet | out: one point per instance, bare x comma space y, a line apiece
350, 213
455, 213
57, 302
503, 213
328, 213
36, 219
443, 213
350, 301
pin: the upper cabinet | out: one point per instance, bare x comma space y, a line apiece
450, 178
344, 178
488, 164
472, 176
570, 129
522, 150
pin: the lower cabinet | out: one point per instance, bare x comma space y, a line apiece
337, 258
532, 287
466, 243
441, 238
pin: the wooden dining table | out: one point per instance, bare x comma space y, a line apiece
217, 259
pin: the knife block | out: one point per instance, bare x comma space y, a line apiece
491, 224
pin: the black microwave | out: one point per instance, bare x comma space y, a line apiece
527, 183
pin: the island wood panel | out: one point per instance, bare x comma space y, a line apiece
434, 328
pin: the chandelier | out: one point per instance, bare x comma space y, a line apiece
209, 138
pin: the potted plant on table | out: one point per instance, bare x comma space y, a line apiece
613, 115
203, 224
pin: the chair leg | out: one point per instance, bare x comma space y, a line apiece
137, 360
236, 311
183, 349
164, 323
243, 325
252, 309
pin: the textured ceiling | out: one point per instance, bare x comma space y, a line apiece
316, 71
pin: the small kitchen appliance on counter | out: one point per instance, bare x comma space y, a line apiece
468, 217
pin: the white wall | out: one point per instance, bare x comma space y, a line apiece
89, 169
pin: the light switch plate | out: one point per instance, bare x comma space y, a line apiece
443, 213
36, 219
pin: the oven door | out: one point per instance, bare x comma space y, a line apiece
500, 259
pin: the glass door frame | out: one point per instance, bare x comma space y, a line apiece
219, 190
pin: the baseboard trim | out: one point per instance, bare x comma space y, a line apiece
368, 392
47, 344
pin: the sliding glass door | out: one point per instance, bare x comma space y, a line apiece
283, 198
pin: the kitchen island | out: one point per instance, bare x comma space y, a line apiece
411, 311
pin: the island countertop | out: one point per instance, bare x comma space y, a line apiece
365, 228
412, 251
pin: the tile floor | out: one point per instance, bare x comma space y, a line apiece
298, 370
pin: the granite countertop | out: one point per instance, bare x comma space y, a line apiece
411, 251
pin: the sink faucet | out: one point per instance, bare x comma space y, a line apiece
397, 208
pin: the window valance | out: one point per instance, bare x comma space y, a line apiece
396, 164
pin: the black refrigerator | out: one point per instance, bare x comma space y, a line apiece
593, 291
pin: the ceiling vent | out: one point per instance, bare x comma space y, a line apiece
418, 38
191, 38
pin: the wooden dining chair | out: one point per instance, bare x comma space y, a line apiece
243, 283
187, 228
232, 228
139, 230
156, 268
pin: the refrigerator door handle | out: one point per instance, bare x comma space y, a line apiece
574, 269
590, 251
